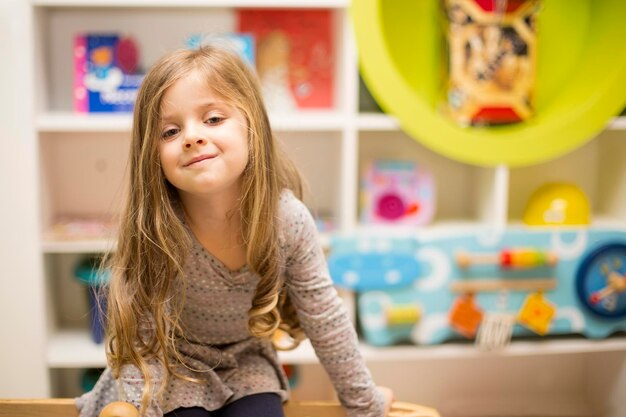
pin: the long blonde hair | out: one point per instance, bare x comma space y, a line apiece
142, 321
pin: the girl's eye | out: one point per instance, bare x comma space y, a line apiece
214, 120
169, 133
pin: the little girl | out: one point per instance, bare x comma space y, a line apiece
215, 253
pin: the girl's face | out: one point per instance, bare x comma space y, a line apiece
203, 146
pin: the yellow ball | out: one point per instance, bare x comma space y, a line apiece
557, 204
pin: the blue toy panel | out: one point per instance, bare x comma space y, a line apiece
370, 263
584, 258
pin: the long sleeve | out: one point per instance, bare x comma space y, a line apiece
323, 315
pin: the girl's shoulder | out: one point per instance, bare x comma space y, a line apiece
294, 216
289, 202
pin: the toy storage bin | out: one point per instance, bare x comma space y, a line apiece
88, 272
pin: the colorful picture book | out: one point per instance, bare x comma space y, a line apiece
295, 56
241, 43
106, 75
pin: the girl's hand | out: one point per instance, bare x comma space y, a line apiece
388, 397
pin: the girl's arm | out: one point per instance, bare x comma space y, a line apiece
323, 315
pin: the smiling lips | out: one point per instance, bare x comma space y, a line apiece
198, 159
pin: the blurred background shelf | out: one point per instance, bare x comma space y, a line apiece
105, 245
72, 122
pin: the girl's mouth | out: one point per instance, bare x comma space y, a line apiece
198, 159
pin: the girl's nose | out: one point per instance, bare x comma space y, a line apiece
197, 141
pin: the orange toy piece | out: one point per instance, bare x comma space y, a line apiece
465, 316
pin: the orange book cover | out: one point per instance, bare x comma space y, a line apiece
295, 56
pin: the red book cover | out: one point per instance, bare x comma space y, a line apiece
295, 56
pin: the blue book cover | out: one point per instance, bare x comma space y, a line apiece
241, 43
106, 77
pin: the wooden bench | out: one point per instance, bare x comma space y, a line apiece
65, 408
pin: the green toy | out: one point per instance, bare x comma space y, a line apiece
581, 78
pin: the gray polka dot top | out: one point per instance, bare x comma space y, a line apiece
220, 352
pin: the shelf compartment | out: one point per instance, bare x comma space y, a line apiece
321, 185
92, 185
464, 194
598, 168
59, 25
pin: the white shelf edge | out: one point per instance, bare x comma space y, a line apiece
304, 121
597, 221
75, 349
382, 121
61, 122
618, 123
104, 245
309, 121
456, 227
326, 4
77, 246
517, 348
377, 122
437, 229
385, 122
76, 122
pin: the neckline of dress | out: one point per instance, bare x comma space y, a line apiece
196, 242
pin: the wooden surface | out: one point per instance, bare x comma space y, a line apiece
38, 408
65, 408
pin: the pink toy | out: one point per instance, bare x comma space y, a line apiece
397, 192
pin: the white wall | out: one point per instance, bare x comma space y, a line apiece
22, 338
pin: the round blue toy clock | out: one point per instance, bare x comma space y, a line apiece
601, 281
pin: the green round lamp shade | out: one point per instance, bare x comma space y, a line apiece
580, 78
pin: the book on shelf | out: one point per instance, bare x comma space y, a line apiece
295, 56
241, 43
106, 73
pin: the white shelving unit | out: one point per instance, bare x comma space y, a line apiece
72, 349
79, 169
